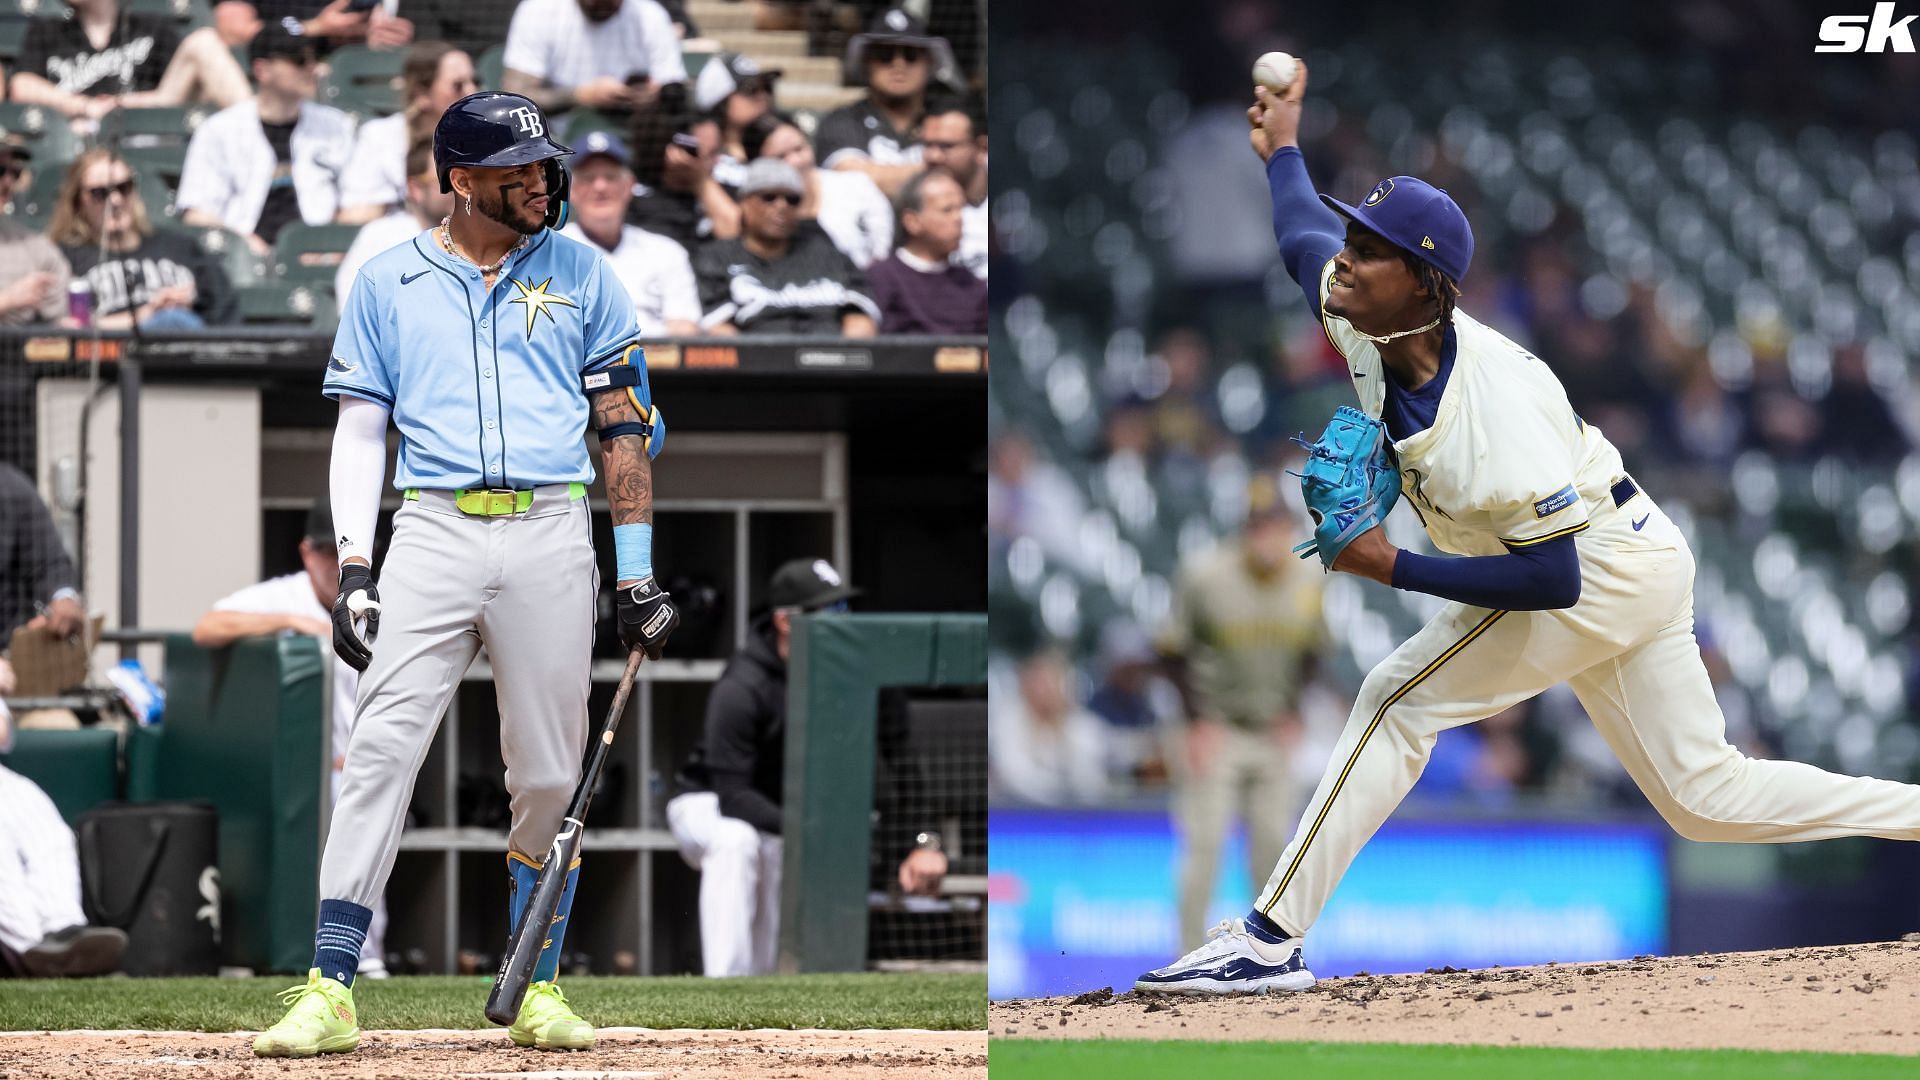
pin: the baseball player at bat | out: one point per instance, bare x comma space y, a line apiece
1567, 571
486, 340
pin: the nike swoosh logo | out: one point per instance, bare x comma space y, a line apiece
1642, 521
408, 279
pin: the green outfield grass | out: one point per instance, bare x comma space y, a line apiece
1116, 1059
942, 1001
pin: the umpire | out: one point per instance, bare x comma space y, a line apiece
727, 815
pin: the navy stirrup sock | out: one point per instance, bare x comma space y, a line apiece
337, 943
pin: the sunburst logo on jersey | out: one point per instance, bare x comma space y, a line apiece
537, 299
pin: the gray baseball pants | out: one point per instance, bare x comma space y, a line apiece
522, 585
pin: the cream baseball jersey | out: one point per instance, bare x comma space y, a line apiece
1506, 462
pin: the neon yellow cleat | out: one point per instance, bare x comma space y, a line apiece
547, 1022
319, 1021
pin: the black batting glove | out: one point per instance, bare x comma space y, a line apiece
646, 615
358, 597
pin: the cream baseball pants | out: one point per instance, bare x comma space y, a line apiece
1627, 650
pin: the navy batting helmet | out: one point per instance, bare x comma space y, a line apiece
495, 130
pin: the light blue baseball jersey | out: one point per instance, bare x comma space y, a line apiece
485, 386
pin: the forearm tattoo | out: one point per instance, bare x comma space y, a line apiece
628, 469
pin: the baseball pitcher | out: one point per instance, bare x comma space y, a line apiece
1570, 572
486, 340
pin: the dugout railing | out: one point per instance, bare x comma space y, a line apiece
869, 452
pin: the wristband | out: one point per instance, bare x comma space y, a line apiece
633, 551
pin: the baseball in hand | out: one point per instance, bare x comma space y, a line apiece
1275, 71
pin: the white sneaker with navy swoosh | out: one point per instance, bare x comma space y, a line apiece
1249, 955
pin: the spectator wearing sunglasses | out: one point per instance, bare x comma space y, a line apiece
375, 184
778, 278
879, 135
262, 164
33, 273
155, 280
85, 65
848, 205
736, 92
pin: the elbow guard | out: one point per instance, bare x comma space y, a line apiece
651, 426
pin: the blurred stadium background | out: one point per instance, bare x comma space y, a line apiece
1706, 230
180, 466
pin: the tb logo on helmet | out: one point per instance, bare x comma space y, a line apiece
530, 122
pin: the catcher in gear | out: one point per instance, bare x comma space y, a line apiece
489, 341
1563, 569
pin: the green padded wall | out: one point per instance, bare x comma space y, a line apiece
77, 769
244, 730
835, 669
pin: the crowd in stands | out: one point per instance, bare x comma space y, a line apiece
721, 211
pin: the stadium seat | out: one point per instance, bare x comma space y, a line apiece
490, 67
37, 202
189, 12
159, 126
363, 81
13, 35
284, 303
161, 163
581, 121
243, 267
310, 254
44, 131
156, 192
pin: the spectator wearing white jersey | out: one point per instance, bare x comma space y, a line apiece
657, 273
263, 164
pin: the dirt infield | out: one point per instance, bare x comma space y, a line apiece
1851, 998
622, 1053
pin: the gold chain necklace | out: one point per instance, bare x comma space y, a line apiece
446, 241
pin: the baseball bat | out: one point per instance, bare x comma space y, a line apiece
530, 934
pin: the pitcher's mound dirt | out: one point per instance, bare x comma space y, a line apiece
622, 1054
1849, 998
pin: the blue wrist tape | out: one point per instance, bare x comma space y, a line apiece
633, 551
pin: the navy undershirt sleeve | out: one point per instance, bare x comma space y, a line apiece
1308, 232
1539, 577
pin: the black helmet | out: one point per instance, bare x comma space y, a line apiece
491, 129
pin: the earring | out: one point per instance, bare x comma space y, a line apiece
469, 204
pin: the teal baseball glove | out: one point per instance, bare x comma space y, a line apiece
1350, 483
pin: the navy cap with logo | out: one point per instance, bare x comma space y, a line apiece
602, 144
1412, 214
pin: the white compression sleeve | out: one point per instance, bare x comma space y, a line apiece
358, 467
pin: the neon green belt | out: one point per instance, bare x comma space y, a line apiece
496, 502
